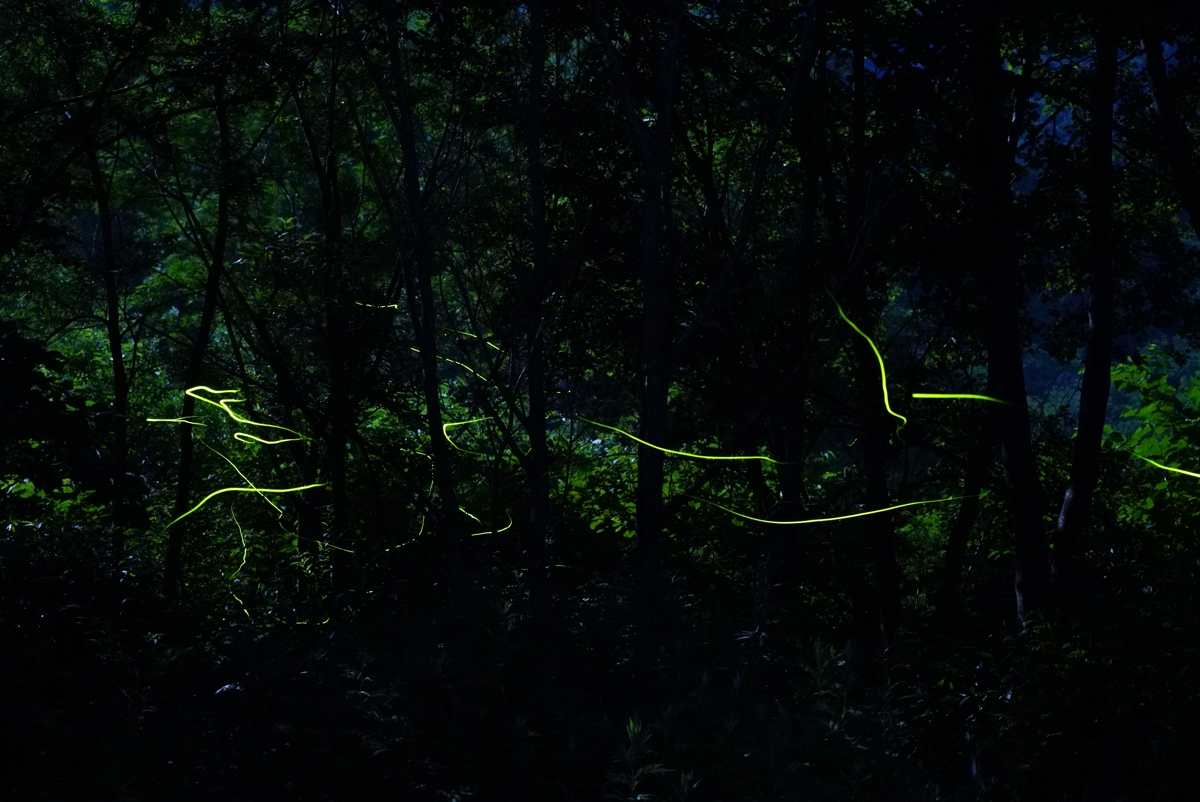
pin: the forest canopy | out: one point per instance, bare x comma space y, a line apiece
733, 400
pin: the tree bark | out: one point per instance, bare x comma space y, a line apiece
534, 290
116, 353
340, 410
788, 440
176, 535
875, 435
1097, 374
418, 278
653, 149
964, 522
988, 169
1175, 141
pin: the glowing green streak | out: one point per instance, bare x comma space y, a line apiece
260, 490
1166, 467
475, 337
464, 511
328, 545
879, 356
222, 405
824, 520
680, 453
467, 368
378, 306
963, 395
242, 437
421, 530
245, 478
245, 551
490, 531
486, 531
446, 434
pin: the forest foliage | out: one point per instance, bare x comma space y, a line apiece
698, 400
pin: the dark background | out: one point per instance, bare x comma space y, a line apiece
467, 296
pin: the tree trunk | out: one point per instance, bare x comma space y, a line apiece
1175, 141
534, 290
654, 418
788, 439
173, 564
419, 292
1097, 374
653, 148
116, 353
964, 522
877, 429
340, 409
989, 168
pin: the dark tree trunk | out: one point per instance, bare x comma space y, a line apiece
875, 436
654, 419
418, 279
116, 353
788, 440
1097, 374
852, 240
1175, 142
173, 563
882, 527
988, 170
534, 290
657, 347
876, 423
964, 522
338, 343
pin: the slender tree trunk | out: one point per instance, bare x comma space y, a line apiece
1097, 373
964, 522
787, 440
876, 423
1174, 140
656, 343
657, 348
654, 418
173, 564
341, 408
881, 527
988, 170
852, 239
875, 435
116, 353
789, 444
338, 343
419, 291
534, 290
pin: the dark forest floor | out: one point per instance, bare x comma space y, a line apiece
114, 696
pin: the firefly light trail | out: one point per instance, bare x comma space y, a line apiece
1166, 467
683, 453
883, 373
245, 553
886, 403
826, 520
964, 395
242, 437
882, 370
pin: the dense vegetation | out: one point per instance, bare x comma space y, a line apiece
787, 399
